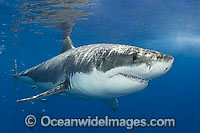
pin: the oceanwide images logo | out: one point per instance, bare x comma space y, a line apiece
47, 121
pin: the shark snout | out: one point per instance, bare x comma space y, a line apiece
159, 68
170, 60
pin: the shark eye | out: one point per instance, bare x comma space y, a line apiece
134, 56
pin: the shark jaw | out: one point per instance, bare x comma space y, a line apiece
134, 78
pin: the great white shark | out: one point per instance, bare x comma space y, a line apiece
97, 71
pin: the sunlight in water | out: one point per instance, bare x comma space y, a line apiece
189, 40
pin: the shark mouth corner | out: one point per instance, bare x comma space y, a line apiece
134, 78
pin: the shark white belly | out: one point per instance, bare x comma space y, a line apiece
100, 85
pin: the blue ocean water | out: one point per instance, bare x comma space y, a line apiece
167, 26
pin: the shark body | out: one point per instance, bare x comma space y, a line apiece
97, 71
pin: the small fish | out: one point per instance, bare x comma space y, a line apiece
44, 100
34, 87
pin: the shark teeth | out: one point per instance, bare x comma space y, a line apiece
141, 80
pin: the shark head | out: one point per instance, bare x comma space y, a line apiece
133, 62
119, 70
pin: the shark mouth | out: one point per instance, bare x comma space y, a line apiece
135, 78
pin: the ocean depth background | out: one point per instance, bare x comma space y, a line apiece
168, 26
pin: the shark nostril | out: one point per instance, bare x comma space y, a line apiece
169, 58
166, 69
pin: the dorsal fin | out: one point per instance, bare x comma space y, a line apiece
67, 44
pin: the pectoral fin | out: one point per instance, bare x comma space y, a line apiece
55, 90
112, 103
